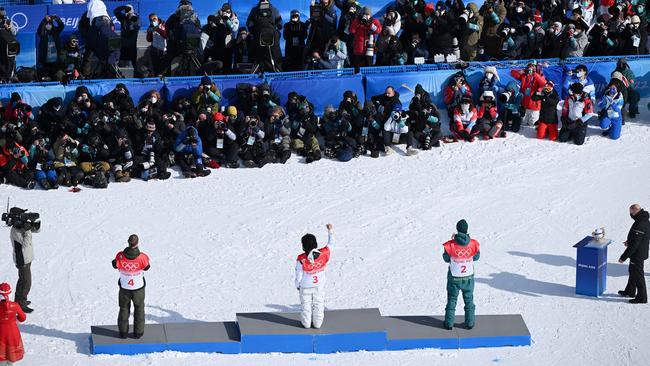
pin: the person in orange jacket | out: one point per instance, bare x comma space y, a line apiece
11, 343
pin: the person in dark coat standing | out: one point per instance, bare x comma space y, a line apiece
637, 252
130, 22
50, 48
131, 263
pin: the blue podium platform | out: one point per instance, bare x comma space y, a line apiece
591, 267
342, 331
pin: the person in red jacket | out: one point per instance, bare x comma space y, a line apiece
363, 30
11, 344
532, 80
463, 123
131, 263
457, 88
17, 112
13, 166
488, 123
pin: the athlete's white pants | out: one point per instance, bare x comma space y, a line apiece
530, 117
312, 301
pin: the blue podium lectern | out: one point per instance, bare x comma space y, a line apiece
591, 267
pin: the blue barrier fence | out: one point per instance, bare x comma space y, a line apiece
327, 86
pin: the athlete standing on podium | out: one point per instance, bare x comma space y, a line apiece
460, 252
131, 263
310, 278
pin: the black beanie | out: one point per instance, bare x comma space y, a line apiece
309, 243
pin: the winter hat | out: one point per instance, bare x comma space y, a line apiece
491, 69
217, 116
367, 11
226, 7
206, 81
231, 111
549, 82
576, 88
486, 94
428, 9
151, 125
461, 226
5, 290
308, 243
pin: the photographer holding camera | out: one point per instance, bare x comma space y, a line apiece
189, 153
50, 63
322, 24
23, 224
363, 30
265, 23
130, 22
9, 47
206, 97
494, 13
13, 165
223, 28
295, 35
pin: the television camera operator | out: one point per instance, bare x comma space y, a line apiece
23, 224
265, 24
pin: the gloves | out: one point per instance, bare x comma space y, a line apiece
494, 18
432, 119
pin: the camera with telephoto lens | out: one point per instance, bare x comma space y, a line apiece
221, 125
505, 96
20, 218
70, 143
464, 17
252, 123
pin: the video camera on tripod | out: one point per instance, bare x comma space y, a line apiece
20, 218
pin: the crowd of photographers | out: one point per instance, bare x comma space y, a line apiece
337, 34
85, 141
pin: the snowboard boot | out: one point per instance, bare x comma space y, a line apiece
625, 294
436, 143
122, 176
164, 175
411, 151
330, 153
46, 185
374, 154
26, 308
189, 174
201, 172
123, 335
388, 150
638, 301
605, 132
232, 164
138, 335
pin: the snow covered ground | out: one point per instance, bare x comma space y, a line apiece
227, 243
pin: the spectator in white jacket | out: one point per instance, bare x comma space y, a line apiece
396, 131
310, 279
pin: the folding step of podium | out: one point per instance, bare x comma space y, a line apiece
342, 331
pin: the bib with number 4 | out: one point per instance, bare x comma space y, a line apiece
251, 140
131, 270
395, 138
219, 143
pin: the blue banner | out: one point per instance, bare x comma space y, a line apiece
404, 83
26, 18
34, 95
319, 91
99, 88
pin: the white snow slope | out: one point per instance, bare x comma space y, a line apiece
227, 243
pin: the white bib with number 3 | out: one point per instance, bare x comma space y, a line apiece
461, 267
250, 141
219, 143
